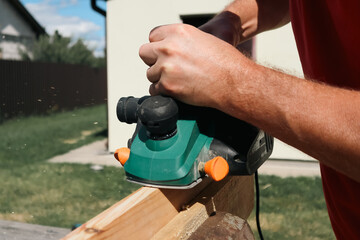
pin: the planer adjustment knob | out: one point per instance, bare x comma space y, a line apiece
122, 155
217, 168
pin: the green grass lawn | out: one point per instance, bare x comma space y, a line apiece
35, 191
35, 139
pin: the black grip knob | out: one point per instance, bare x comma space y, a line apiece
126, 109
159, 115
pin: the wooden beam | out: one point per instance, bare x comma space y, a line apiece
148, 212
234, 195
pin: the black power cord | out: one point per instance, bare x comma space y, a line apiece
257, 207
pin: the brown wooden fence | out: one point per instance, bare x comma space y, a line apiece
35, 88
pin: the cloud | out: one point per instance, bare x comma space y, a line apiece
48, 15
69, 26
97, 45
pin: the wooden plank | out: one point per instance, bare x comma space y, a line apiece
144, 213
234, 195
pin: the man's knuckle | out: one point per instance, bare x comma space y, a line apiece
151, 37
169, 48
169, 69
182, 28
142, 50
153, 33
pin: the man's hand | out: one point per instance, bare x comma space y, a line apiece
191, 65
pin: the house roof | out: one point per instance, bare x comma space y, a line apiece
37, 28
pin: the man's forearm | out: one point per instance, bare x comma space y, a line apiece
321, 120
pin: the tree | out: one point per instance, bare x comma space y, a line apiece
59, 49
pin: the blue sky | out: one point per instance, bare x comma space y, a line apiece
72, 18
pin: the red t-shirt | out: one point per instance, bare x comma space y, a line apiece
327, 34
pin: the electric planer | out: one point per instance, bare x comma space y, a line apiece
176, 145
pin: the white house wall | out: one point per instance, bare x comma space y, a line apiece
277, 48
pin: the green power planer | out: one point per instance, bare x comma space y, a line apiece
176, 145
